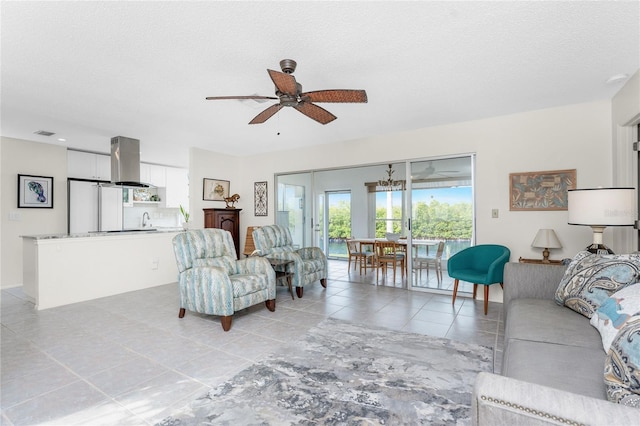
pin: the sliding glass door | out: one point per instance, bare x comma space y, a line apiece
338, 223
427, 201
291, 207
440, 202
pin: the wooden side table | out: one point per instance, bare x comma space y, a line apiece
281, 266
540, 262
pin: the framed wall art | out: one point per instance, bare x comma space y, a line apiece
260, 198
214, 189
545, 190
35, 192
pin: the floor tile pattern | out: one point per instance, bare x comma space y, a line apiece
129, 360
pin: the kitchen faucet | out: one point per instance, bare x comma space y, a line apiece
144, 221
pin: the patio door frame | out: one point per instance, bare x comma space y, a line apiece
409, 218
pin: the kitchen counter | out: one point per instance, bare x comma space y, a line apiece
103, 234
61, 269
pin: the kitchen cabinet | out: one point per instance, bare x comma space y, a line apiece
64, 269
177, 189
153, 174
87, 165
227, 219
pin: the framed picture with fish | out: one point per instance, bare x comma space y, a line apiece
35, 192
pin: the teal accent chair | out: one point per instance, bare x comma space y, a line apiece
213, 282
481, 264
309, 263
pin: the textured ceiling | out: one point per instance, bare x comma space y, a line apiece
92, 70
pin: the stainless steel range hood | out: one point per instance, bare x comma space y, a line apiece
125, 162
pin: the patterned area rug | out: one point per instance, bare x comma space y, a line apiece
348, 374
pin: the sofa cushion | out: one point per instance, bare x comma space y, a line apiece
542, 320
622, 365
570, 368
615, 311
590, 279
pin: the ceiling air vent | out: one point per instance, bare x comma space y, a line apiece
44, 133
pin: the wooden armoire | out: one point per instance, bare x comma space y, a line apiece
227, 219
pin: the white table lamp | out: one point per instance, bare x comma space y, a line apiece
599, 208
546, 239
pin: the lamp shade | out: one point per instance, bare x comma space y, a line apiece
546, 238
602, 206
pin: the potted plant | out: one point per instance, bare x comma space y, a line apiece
185, 215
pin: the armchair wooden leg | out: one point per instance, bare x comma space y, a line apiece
455, 290
486, 298
299, 291
226, 322
270, 304
323, 282
475, 291
181, 313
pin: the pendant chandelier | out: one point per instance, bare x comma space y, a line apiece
389, 184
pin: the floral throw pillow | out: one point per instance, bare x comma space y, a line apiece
615, 311
622, 366
590, 279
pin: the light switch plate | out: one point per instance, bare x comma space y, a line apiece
495, 213
13, 215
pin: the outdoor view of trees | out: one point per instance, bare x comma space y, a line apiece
340, 224
436, 220
442, 221
432, 219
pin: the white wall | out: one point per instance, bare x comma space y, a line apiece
211, 165
575, 136
26, 157
569, 137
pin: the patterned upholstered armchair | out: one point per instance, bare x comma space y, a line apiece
310, 263
211, 279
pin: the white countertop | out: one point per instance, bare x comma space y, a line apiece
102, 234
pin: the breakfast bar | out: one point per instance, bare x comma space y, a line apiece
61, 269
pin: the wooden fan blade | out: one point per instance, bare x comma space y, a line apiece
285, 83
266, 114
337, 95
215, 98
319, 114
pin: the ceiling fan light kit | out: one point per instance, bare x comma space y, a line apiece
290, 94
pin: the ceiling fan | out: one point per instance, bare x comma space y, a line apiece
430, 170
290, 94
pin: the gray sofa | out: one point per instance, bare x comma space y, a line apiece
553, 360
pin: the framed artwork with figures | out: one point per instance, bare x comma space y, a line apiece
214, 189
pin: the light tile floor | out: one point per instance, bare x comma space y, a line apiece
129, 359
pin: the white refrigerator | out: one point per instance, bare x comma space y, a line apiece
94, 207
